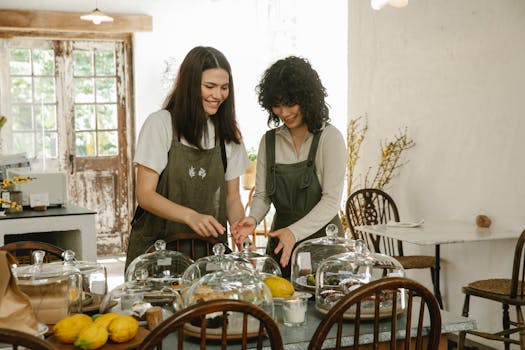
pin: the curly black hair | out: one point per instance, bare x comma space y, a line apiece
292, 81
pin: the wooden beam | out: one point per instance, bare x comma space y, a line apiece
29, 20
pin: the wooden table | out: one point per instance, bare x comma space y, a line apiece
69, 227
298, 338
437, 233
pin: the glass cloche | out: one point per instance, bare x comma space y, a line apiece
308, 255
164, 268
340, 274
55, 290
234, 282
136, 296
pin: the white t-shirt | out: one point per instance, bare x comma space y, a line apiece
155, 141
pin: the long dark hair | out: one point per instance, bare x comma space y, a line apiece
291, 81
185, 101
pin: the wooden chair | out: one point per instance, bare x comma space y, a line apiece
419, 300
23, 251
187, 243
23, 340
257, 231
508, 292
372, 206
267, 326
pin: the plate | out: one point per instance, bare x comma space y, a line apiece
350, 315
295, 295
132, 344
234, 330
94, 306
300, 282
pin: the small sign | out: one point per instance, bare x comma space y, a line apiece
38, 200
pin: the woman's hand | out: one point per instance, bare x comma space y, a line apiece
286, 243
204, 225
242, 229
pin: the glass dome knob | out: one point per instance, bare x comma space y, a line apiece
69, 257
331, 231
218, 249
38, 260
160, 245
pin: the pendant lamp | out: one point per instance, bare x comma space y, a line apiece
96, 16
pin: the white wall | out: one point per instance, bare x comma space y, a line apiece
240, 30
453, 72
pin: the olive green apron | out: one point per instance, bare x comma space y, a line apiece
192, 178
294, 190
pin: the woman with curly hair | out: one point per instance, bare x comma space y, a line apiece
189, 157
300, 164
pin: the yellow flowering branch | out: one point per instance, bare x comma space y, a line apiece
7, 184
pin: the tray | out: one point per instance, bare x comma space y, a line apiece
132, 344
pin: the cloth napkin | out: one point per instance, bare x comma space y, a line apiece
405, 224
16, 311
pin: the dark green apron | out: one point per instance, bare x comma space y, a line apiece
294, 190
192, 178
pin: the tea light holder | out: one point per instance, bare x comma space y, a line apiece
294, 311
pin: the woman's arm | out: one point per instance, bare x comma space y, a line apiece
233, 201
153, 202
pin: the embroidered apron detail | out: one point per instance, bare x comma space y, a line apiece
192, 178
294, 190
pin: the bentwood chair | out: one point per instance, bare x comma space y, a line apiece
22, 340
23, 251
258, 231
267, 328
419, 301
372, 206
188, 244
507, 292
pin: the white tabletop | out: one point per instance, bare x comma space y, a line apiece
442, 232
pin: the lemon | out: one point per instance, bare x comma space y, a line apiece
93, 336
123, 328
67, 329
280, 287
105, 319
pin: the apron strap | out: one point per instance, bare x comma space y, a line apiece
270, 162
310, 163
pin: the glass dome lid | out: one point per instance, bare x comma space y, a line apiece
340, 274
219, 261
40, 271
307, 256
94, 274
261, 263
162, 267
235, 283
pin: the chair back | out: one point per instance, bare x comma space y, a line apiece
372, 206
419, 300
176, 323
517, 287
23, 251
21, 339
190, 245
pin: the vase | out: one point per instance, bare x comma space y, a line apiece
16, 197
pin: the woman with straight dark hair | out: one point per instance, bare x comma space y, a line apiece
189, 157
300, 164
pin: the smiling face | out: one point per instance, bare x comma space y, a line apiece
290, 115
214, 89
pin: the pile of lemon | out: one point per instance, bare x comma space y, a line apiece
93, 332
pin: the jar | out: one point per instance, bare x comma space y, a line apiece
307, 256
55, 290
